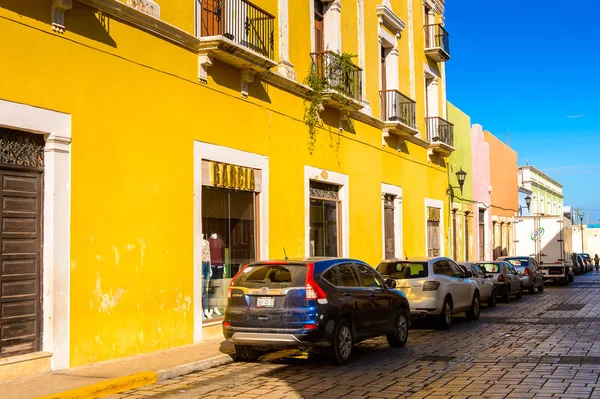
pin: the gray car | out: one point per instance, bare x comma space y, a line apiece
505, 279
487, 290
528, 271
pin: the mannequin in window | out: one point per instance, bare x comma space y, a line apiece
217, 249
206, 274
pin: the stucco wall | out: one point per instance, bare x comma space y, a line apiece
481, 188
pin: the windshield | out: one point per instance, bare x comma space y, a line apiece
403, 269
490, 267
272, 276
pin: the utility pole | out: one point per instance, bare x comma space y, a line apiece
580, 215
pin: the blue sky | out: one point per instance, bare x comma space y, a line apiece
529, 67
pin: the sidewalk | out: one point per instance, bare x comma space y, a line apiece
105, 378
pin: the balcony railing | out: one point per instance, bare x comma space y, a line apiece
440, 130
396, 107
239, 21
436, 37
337, 75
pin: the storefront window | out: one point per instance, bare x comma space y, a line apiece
324, 219
229, 234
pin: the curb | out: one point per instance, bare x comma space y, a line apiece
121, 384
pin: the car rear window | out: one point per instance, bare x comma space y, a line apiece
490, 267
518, 262
403, 270
520, 269
272, 276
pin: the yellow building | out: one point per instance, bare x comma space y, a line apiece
139, 139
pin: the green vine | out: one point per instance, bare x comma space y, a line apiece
329, 73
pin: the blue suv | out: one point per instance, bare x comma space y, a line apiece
314, 304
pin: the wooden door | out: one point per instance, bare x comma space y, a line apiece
319, 27
454, 237
466, 237
390, 234
20, 261
213, 17
481, 235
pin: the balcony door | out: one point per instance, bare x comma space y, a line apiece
319, 27
213, 17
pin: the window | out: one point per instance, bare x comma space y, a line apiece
477, 271
332, 277
457, 272
348, 276
442, 267
490, 267
324, 219
403, 269
368, 277
272, 276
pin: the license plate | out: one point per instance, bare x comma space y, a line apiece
265, 302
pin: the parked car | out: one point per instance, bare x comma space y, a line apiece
435, 287
582, 264
505, 279
527, 268
487, 291
314, 304
588, 261
577, 270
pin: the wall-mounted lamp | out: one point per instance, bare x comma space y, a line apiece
461, 175
527, 202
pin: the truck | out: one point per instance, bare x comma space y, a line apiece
548, 239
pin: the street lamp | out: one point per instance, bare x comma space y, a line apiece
581, 227
461, 175
527, 202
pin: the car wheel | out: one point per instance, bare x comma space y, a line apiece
492, 301
506, 295
473, 313
520, 293
341, 349
565, 281
532, 289
244, 353
445, 320
571, 278
541, 287
398, 338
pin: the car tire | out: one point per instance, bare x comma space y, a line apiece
342, 346
492, 300
244, 353
541, 287
571, 278
398, 338
519, 294
531, 291
565, 281
475, 310
506, 295
445, 320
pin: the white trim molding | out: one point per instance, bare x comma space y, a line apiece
212, 152
398, 239
433, 203
339, 179
285, 68
411, 51
388, 18
56, 215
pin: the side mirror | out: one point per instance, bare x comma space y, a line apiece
468, 274
390, 283
490, 276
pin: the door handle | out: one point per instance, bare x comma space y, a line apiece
346, 293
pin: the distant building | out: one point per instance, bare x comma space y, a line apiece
547, 197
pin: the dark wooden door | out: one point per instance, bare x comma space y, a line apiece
481, 235
390, 234
213, 17
466, 237
20, 261
319, 27
454, 237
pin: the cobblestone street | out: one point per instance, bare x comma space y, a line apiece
544, 345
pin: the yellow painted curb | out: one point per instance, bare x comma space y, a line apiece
107, 387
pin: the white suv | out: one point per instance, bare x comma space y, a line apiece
435, 287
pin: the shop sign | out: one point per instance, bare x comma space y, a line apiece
433, 214
231, 176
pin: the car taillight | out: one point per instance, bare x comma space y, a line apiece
226, 324
313, 291
229, 292
501, 278
526, 272
431, 286
311, 326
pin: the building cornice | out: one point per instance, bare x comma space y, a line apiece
525, 190
539, 172
388, 18
546, 189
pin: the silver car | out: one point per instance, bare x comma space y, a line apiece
487, 291
527, 268
505, 279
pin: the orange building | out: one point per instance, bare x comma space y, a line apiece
504, 194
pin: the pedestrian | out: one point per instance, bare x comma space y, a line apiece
597, 261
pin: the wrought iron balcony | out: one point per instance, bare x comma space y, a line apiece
396, 107
440, 134
437, 42
338, 76
238, 33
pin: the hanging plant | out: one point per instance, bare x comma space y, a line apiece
331, 73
